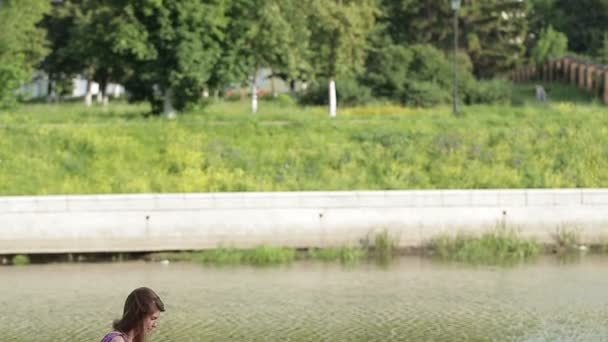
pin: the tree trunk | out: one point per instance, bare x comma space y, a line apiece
50, 90
292, 86
332, 98
273, 88
103, 90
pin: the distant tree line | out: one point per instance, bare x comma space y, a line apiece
169, 52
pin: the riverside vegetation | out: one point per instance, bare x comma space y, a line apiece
498, 246
67, 149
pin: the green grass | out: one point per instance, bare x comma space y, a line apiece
385, 245
345, 254
69, 149
260, 256
497, 246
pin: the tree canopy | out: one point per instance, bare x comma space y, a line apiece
168, 52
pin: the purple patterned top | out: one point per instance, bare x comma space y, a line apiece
113, 334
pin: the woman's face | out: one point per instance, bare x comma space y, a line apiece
151, 321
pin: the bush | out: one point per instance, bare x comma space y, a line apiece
20, 260
418, 75
388, 70
551, 44
11, 74
491, 91
425, 94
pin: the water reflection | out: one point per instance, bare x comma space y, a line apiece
410, 299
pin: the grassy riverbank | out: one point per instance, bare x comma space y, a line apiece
67, 149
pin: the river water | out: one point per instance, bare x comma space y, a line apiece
412, 299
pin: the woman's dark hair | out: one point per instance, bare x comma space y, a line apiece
140, 303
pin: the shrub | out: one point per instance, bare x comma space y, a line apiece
489, 91
551, 44
425, 94
501, 245
388, 70
20, 260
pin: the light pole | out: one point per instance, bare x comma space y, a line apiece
455, 8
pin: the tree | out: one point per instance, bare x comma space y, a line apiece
493, 30
584, 22
169, 47
551, 44
22, 44
339, 39
603, 53
263, 34
60, 65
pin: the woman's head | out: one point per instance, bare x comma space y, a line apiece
141, 311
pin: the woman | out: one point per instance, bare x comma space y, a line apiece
141, 312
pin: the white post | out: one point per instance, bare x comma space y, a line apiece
332, 98
168, 109
254, 96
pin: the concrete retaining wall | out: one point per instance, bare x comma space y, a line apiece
155, 222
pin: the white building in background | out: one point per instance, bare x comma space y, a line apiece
38, 88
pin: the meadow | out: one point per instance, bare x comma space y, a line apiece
69, 149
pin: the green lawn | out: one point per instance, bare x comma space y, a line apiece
69, 149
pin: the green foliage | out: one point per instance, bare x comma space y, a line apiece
20, 260
491, 31
282, 99
387, 70
345, 254
584, 22
170, 47
498, 246
267, 255
22, 44
260, 256
425, 94
12, 73
339, 32
263, 34
65, 149
384, 244
495, 91
603, 52
422, 76
551, 44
